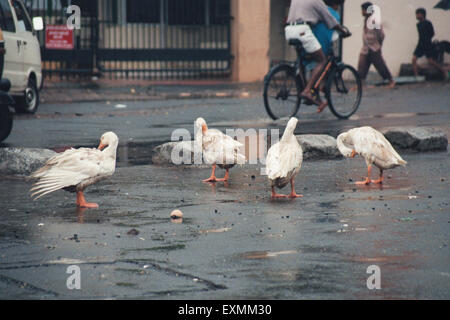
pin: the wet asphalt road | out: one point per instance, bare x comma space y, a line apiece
233, 242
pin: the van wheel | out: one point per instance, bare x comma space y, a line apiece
6, 122
29, 102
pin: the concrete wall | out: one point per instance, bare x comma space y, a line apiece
250, 39
400, 27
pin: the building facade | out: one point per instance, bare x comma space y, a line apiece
230, 39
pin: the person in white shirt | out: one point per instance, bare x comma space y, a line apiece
303, 14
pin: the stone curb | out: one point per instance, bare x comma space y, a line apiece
420, 139
23, 161
318, 147
323, 147
315, 147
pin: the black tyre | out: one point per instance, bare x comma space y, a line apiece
29, 102
282, 92
6, 122
343, 91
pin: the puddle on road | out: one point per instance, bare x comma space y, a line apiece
327, 217
128, 154
220, 230
328, 205
266, 254
392, 263
158, 248
135, 153
127, 284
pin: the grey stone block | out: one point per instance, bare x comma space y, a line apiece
315, 146
417, 138
23, 161
318, 146
175, 153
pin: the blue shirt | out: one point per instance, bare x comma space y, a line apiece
323, 34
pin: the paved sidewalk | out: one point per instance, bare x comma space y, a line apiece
138, 90
73, 91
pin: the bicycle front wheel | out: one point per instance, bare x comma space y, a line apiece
281, 92
344, 91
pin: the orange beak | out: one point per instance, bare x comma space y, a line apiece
204, 128
101, 146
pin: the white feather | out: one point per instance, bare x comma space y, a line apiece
217, 147
370, 144
77, 168
284, 159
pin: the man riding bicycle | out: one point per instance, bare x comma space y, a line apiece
302, 15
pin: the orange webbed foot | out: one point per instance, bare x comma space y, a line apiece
81, 202
88, 205
364, 182
214, 179
278, 196
295, 195
210, 179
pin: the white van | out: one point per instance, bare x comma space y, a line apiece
23, 54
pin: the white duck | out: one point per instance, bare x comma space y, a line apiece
373, 146
284, 160
218, 149
75, 169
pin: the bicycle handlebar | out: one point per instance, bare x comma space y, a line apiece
346, 34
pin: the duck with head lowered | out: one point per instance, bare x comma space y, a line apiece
373, 147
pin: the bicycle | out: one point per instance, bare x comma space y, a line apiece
285, 81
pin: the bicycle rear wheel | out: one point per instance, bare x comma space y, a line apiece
343, 91
281, 92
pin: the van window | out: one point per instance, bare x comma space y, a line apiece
23, 22
6, 18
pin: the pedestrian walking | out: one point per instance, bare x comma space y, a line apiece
371, 52
425, 46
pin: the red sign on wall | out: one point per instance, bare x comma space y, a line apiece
58, 37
